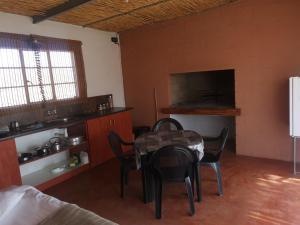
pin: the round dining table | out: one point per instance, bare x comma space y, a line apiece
150, 142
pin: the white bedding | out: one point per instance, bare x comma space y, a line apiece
26, 205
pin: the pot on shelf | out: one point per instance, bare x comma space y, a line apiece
76, 140
41, 150
24, 157
56, 144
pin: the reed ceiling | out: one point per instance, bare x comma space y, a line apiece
113, 15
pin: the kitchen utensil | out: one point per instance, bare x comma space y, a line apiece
56, 144
75, 140
24, 157
41, 150
84, 157
14, 126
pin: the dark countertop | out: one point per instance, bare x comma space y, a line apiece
59, 123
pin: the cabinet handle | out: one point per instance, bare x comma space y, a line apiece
110, 122
114, 122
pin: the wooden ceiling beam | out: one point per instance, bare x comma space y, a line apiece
126, 13
68, 5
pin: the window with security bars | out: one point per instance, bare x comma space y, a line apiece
40, 70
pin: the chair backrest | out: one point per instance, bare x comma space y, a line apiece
167, 124
222, 141
173, 163
223, 136
116, 144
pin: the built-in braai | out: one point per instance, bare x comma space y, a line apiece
204, 102
209, 89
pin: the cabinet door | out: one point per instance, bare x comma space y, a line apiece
106, 124
9, 166
124, 126
99, 147
122, 123
98, 130
94, 137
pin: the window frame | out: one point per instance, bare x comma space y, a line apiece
47, 44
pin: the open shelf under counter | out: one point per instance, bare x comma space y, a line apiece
44, 178
35, 158
71, 148
83, 146
202, 111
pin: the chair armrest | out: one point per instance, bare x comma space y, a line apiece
211, 151
127, 143
211, 139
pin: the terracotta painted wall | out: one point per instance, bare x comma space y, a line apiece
260, 39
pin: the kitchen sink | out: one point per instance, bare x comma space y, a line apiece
41, 124
58, 120
44, 124
32, 126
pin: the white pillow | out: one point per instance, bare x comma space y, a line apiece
9, 198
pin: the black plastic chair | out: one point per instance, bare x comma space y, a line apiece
173, 163
212, 153
127, 159
167, 123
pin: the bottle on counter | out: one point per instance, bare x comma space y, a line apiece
110, 102
99, 107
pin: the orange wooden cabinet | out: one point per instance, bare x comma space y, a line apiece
9, 165
123, 126
98, 130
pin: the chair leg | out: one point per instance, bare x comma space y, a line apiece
122, 180
217, 168
219, 179
144, 186
198, 183
126, 178
192, 179
158, 195
190, 194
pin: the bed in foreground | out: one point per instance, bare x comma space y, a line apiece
27, 205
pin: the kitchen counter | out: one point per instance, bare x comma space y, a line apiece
60, 123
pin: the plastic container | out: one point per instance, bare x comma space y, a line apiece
84, 157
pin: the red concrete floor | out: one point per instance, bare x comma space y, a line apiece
256, 191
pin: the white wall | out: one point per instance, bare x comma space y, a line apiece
102, 58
